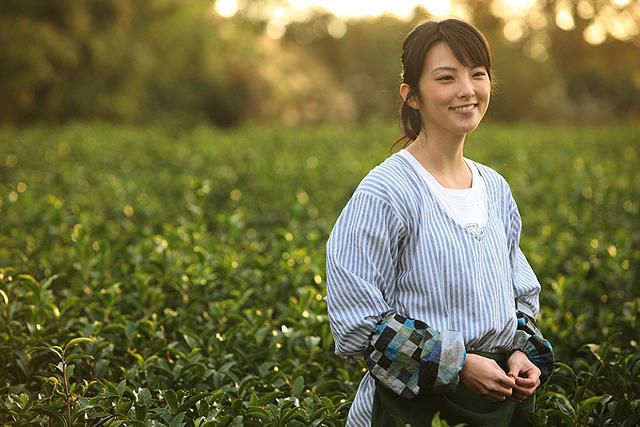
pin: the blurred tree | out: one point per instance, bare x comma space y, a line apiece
551, 65
181, 61
118, 59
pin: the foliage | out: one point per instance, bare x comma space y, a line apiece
148, 275
119, 60
178, 61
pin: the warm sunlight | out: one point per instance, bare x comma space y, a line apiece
521, 18
511, 8
226, 8
399, 8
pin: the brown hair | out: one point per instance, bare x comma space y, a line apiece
469, 46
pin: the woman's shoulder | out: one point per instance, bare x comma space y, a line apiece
392, 180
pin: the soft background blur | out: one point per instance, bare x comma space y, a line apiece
170, 171
182, 62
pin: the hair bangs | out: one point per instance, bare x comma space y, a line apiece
467, 44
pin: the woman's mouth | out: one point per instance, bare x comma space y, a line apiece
464, 108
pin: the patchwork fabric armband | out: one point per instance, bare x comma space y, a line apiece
409, 357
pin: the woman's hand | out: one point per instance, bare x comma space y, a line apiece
525, 374
483, 376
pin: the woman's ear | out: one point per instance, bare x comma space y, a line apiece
408, 99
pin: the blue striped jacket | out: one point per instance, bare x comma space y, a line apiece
395, 251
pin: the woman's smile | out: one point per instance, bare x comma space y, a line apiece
448, 86
464, 108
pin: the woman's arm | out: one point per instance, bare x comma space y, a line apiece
362, 257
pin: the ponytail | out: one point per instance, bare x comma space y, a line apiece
411, 124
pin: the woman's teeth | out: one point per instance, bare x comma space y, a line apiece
464, 108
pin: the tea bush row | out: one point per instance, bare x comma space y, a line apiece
159, 277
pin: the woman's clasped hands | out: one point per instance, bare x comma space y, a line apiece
483, 376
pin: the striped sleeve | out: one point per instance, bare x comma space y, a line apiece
405, 355
362, 252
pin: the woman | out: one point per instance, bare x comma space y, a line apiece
425, 278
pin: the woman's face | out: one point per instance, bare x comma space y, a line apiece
453, 97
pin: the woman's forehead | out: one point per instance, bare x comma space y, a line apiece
440, 55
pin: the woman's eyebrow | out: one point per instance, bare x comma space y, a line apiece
444, 68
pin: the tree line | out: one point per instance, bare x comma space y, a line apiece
172, 61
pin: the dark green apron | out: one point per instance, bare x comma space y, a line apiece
464, 406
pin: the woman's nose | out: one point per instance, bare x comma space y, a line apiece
466, 89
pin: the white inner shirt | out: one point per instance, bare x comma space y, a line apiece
468, 206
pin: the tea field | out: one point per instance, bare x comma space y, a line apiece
163, 277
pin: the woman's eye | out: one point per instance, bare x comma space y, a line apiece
480, 74
445, 78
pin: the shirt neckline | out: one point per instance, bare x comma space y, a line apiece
443, 212
474, 173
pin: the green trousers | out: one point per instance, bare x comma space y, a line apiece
464, 406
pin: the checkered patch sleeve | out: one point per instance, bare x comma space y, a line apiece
530, 341
410, 358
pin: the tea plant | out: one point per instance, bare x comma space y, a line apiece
164, 277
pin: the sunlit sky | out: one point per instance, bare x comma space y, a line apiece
519, 16
350, 9
400, 8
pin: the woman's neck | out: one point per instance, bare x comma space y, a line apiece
443, 158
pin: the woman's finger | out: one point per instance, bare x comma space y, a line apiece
506, 381
521, 392
526, 382
497, 397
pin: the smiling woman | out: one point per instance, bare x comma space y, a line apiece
425, 278
457, 67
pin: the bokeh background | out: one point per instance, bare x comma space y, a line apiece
300, 62
170, 171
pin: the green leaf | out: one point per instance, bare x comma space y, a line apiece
5, 297
120, 389
289, 415
267, 397
586, 406
192, 401
177, 420
139, 358
298, 385
79, 356
563, 404
50, 412
191, 342
124, 407
145, 396
435, 421
172, 400
203, 408
566, 367
110, 386
29, 278
49, 280
141, 412
77, 341
53, 349
258, 412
